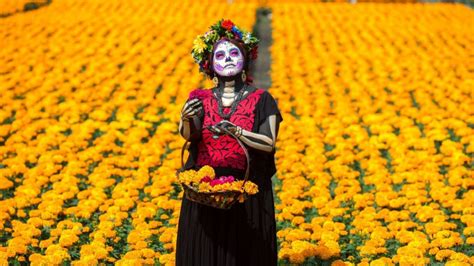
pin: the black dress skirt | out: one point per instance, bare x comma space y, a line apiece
244, 234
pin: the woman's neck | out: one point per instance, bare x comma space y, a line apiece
230, 84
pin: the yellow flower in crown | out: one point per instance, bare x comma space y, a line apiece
199, 44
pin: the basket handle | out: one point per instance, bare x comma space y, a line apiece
247, 171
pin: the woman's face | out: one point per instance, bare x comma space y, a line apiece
228, 60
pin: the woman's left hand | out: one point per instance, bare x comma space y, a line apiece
233, 128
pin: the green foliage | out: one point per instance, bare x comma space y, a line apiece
32, 5
332, 188
310, 213
385, 153
349, 244
121, 247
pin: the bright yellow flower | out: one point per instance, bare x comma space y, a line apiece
198, 44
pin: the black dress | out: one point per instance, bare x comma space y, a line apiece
246, 233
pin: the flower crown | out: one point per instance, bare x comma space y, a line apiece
203, 44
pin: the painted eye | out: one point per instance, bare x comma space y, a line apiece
219, 55
234, 52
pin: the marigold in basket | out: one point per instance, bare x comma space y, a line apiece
204, 181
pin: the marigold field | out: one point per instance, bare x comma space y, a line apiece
374, 157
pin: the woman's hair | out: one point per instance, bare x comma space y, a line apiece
239, 44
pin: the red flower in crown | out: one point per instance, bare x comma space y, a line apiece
227, 24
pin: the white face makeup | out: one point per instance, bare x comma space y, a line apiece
228, 60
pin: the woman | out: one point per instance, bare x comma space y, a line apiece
246, 233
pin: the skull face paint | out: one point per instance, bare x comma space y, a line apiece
227, 59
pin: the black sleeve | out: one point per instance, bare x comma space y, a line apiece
264, 162
268, 106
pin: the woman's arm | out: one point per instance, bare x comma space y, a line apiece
264, 140
187, 127
266, 137
190, 121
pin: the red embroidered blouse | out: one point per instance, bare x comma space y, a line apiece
225, 151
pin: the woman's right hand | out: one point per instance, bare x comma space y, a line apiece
191, 108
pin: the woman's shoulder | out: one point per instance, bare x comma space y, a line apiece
268, 105
263, 92
264, 95
268, 98
260, 91
255, 90
267, 93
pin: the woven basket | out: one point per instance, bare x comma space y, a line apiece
220, 200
